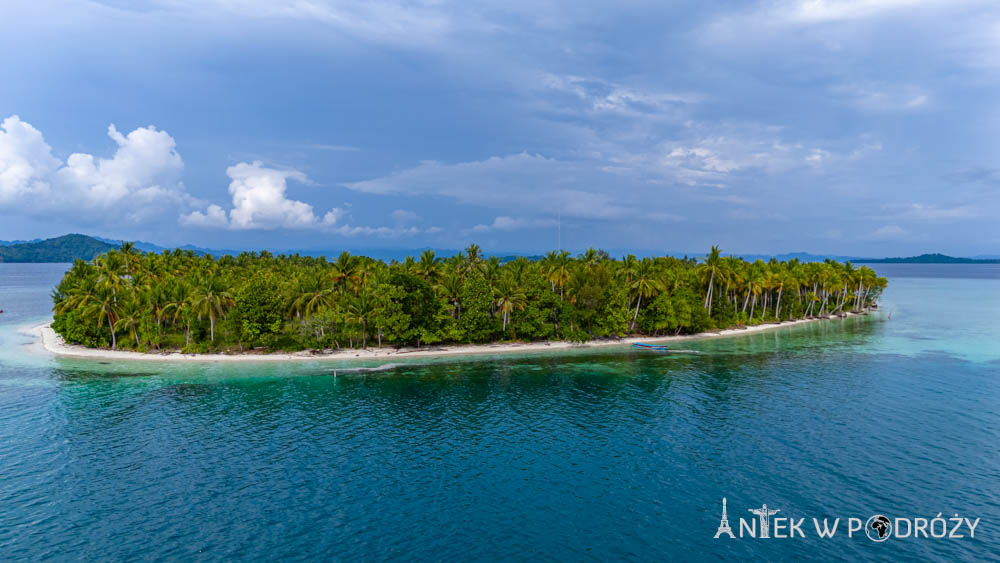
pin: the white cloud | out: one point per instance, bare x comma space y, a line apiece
505, 223
822, 11
405, 217
932, 212
135, 185
576, 189
711, 160
886, 233
602, 96
146, 159
25, 160
402, 22
214, 216
259, 202
883, 97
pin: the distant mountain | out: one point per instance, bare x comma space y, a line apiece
13, 242
932, 259
60, 249
69, 247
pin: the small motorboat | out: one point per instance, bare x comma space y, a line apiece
661, 348
644, 346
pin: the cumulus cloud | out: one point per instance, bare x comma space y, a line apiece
26, 160
260, 202
137, 183
146, 161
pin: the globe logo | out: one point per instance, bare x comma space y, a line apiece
878, 528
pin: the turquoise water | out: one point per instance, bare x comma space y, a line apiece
592, 455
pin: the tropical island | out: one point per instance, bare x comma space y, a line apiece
262, 303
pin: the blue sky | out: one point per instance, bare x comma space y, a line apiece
838, 126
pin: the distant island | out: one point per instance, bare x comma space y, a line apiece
68, 248
259, 302
930, 259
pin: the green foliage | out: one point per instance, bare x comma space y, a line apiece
259, 311
179, 301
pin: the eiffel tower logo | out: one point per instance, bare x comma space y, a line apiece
724, 525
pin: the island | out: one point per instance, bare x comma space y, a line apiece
258, 303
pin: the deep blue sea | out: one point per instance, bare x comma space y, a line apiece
594, 455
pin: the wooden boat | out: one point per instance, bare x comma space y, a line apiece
661, 348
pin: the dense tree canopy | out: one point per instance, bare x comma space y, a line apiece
176, 300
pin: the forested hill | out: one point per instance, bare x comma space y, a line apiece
930, 259
60, 249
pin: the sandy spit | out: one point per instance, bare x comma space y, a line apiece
54, 344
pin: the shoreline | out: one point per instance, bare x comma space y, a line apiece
54, 344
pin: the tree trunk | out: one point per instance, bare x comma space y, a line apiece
708, 295
638, 302
111, 327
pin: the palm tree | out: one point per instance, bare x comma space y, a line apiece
180, 308
451, 289
474, 255
509, 297
109, 267
710, 267
127, 249
90, 300
211, 300
130, 318
558, 272
104, 306
427, 267
591, 258
359, 309
645, 284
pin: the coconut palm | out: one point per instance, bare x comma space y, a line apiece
211, 300
645, 283
559, 271
710, 268
509, 298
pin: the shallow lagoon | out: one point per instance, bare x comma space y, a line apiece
587, 455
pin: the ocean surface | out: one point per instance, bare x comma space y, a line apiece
595, 455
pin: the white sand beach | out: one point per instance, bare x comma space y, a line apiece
54, 344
